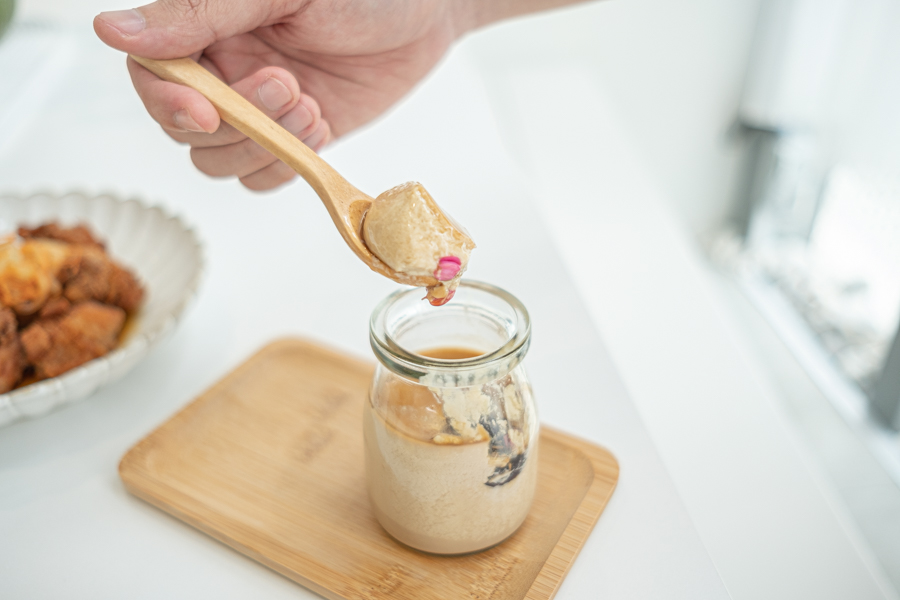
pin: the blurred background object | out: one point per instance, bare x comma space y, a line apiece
814, 240
818, 211
819, 206
7, 8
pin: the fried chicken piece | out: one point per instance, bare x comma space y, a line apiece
78, 234
87, 331
30, 271
12, 358
97, 277
36, 270
54, 308
55, 284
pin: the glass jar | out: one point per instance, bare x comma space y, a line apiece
451, 430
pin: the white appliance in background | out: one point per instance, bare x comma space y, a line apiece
821, 91
793, 55
795, 47
821, 197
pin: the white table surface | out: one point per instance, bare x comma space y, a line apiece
275, 268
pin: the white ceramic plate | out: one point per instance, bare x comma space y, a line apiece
165, 254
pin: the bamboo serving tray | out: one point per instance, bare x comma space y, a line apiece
270, 462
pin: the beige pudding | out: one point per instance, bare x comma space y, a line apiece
408, 231
451, 470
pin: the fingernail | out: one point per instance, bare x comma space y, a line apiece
128, 22
184, 120
297, 120
273, 94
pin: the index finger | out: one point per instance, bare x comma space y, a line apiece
175, 107
272, 90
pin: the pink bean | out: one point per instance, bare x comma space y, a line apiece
448, 267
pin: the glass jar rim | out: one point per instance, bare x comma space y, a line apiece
405, 361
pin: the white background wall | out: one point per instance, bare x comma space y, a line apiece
861, 120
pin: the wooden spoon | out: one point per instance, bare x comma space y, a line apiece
346, 204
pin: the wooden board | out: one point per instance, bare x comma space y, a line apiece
270, 462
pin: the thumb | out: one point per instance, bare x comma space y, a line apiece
177, 28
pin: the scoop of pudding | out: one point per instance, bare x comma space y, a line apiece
407, 230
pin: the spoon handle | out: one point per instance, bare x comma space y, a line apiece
250, 121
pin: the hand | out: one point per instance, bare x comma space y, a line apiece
319, 67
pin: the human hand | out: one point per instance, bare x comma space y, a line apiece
320, 68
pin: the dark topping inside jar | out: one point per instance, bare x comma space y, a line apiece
493, 412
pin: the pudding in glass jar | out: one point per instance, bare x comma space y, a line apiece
450, 427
